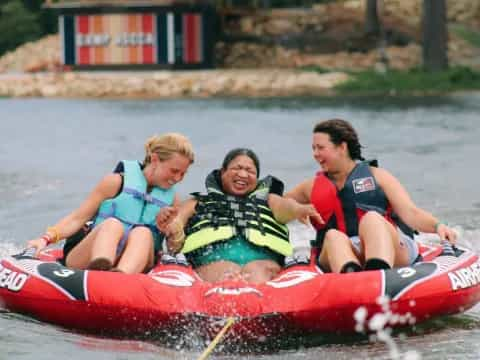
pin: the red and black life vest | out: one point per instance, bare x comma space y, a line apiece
343, 209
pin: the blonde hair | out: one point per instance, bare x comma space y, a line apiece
166, 145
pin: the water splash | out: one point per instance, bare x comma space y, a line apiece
8, 248
465, 237
380, 324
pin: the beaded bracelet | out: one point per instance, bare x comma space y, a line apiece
56, 236
48, 239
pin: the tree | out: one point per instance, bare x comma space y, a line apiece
434, 21
17, 25
372, 22
47, 18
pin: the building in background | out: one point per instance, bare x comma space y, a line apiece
136, 34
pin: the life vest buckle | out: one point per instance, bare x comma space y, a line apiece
242, 223
214, 222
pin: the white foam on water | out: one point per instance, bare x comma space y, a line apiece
8, 247
49, 186
379, 324
469, 238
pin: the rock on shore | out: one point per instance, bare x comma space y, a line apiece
168, 84
249, 68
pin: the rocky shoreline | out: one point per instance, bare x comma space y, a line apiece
251, 69
171, 84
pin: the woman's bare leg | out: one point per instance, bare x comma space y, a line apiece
380, 240
81, 255
218, 271
107, 240
101, 242
337, 250
138, 254
260, 271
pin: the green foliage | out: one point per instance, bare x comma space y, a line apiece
411, 82
469, 35
23, 21
17, 25
47, 18
266, 4
317, 69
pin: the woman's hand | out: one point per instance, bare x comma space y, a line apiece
38, 244
305, 212
446, 233
175, 236
169, 224
164, 217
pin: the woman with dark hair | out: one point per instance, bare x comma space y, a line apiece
368, 215
237, 229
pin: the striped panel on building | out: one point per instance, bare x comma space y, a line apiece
165, 38
180, 38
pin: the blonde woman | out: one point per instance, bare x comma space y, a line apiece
123, 207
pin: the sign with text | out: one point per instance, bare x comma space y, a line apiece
135, 38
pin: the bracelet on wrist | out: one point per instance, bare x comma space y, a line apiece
53, 234
47, 238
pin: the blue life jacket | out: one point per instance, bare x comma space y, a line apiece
133, 205
360, 194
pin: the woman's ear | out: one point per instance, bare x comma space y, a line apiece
154, 158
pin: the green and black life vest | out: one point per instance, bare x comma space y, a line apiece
219, 217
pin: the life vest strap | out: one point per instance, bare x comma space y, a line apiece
240, 226
144, 196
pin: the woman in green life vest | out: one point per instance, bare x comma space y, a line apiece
237, 229
123, 206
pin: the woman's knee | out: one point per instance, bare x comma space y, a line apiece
138, 254
140, 241
112, 225
372, 220
334, 238
371, 216
141, 232
219, 270
332, 242
260, 271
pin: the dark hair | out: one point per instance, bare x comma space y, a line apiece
341, 131
232, 154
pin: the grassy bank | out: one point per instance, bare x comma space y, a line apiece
410, 82
466, 33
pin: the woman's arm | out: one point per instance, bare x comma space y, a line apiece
173, 224
406, 209
287, 209
301, 193
107, 188
166, 214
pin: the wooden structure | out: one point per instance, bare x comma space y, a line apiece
136, 34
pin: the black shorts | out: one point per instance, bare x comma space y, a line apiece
73, 240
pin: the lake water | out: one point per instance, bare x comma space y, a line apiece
52, 153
